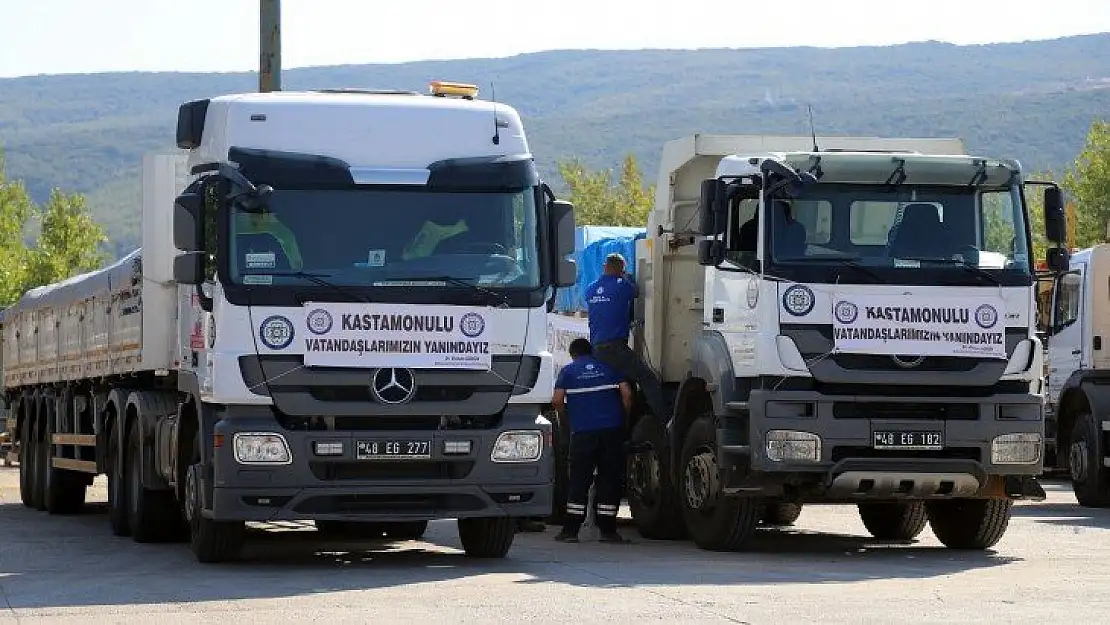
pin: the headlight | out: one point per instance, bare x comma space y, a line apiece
517, 447
788, 445
1024, 448
261, 448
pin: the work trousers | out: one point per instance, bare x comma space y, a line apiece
603, 450
618, 355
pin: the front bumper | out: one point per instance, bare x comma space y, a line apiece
844, 461
342, 487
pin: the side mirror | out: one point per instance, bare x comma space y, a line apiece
188, 224
562, 241
1055, 215
188, 268
1058, 259
712, 213
710, 252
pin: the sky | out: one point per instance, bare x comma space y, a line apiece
82, 36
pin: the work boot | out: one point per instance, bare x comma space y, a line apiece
566, 537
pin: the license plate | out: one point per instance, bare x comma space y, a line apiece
393, 450
908, 440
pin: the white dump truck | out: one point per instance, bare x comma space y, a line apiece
847, 322
337, 314
1078, 373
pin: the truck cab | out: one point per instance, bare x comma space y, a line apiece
846, 324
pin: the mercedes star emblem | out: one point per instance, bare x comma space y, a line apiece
393, 386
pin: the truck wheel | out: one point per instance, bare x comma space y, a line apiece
26, 461
117, 487
152, 515
42, 458
894, 521
487, 537
64, 491
969, 523
211, 541
652, 497
781, 514
1089, 479
715, 522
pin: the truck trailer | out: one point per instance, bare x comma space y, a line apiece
845, 323
337, 314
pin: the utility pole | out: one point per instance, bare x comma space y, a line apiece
269, 66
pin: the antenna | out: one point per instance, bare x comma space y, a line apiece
496, 131
812, 129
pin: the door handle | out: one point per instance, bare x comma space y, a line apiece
1076, 352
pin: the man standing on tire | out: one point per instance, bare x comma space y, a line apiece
594, 398
610, 301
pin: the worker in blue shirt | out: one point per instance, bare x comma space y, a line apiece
595, 399
609, 302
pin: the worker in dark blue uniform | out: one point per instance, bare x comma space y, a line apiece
595, 399
610, 300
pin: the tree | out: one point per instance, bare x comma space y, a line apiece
68, 240
1088, 182
597, 201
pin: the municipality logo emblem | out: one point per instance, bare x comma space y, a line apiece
319, 321
986, 316
846, 312
276, 332
472, 325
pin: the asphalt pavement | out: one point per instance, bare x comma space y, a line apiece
1053, 566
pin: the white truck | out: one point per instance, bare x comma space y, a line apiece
849, 322
337, 314
1078, 373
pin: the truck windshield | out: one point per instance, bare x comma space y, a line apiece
383, 237
907, 234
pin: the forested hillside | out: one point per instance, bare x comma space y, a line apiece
1035, 101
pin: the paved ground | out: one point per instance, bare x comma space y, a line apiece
1052, 566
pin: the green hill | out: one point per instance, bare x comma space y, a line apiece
1032, 100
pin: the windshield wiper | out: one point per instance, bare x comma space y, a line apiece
503, 299
318, 278
850, 261
974, 269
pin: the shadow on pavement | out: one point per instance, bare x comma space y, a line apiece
1065, 514
54, 561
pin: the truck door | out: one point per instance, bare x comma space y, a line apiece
1065, 348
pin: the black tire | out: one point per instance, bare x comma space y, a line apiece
117, 485
42, 454
780, 514
652, 497
1090, 480
487, 537
715, 522
211, 541
64, 491
152, 515
969, 523
26, 456
894, 521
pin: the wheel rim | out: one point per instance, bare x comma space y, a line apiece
644, 478
190, 494
701, 481
1078, 461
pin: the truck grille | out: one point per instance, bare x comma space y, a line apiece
844, 452
919, 411
338, 471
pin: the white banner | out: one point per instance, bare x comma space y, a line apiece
395, 335
561, 330
915, 326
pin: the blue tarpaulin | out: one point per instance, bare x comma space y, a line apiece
597, 243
